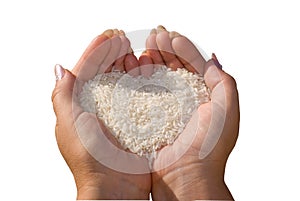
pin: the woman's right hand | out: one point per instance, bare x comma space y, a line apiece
193, 167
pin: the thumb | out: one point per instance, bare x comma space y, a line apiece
63, 92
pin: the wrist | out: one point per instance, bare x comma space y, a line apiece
192, 182
89, 193
108, 193
107, 188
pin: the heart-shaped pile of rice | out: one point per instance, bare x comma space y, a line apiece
145, 114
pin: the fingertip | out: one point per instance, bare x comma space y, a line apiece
59, 72
161, 28
62, 95
111, 55
174, 34
152, 49
213, 75
121, 32
153, 31
64, 77
188, 54
109, 33
216, 61
116, 32
94, 55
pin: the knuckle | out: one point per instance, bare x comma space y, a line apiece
55, 93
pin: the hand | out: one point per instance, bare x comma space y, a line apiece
193, 167
101, 169
198, 167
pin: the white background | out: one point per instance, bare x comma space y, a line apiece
256, 41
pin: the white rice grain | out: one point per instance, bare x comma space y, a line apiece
145, 114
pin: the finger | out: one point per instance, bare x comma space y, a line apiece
215, 59
146, 65
132, 65
125, 44
63, 100
165, 48
224, 106
152, 48
188, 54
112, 55
88, 65
212, 75
222, 85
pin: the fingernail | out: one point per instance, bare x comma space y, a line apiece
173, 34
161, 28
122, 32
116, 32
59, 72
153, 31
215, 59
109, 33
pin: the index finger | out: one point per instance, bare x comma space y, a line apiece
94, 55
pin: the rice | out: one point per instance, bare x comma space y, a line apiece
145, 114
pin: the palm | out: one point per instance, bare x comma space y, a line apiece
207, 140
98, 155
207, 136
201, 151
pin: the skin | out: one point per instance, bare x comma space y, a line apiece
93, 179
193, 176
197, 172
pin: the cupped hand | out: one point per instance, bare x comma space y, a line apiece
101, 169
193, 167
